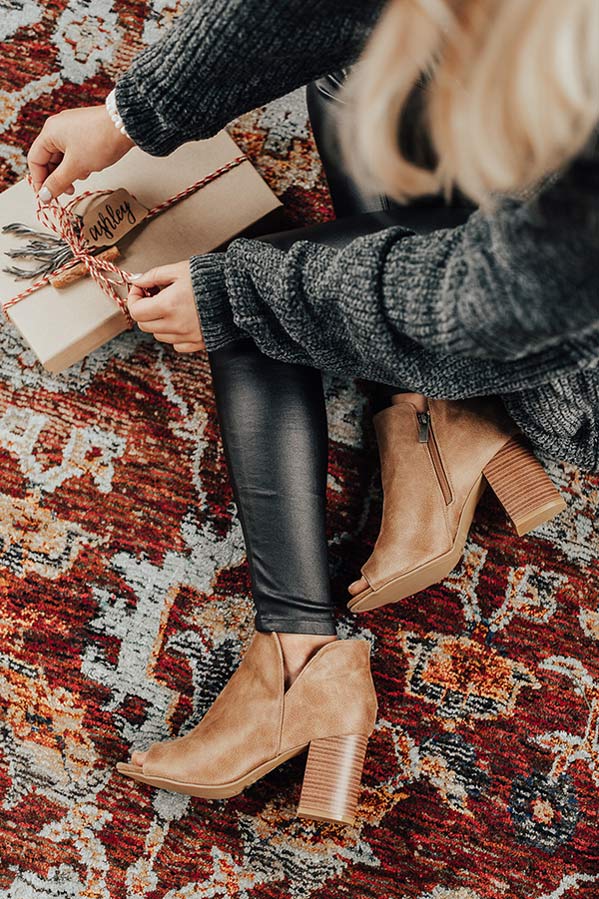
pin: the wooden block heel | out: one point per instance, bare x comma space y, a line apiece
332, 778
523, 487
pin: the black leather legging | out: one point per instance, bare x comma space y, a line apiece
274, 428
273, 423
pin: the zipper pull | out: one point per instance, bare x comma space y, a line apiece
424, 421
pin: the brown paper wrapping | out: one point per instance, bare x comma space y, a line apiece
64, 325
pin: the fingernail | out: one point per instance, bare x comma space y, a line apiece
136, 275
45, 195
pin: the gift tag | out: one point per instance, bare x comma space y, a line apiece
108, 218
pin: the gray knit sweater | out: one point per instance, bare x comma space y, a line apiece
506, 304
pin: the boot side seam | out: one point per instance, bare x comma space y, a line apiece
444, 505
281, 659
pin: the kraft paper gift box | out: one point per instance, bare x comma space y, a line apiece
62, 325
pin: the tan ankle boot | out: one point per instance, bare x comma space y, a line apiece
434, 469
254, 725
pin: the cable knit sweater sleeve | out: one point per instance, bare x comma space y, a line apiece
516, 291
221, 58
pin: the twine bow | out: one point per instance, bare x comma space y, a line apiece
66, 224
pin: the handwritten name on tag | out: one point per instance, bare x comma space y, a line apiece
107, 219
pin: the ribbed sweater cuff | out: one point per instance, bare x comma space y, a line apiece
145, 126
214, 309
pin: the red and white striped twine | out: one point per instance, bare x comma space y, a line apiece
64, 224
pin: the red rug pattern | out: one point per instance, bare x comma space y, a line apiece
124, 607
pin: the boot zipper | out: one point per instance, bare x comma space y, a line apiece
427, 435
424, 423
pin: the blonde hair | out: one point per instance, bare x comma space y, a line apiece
511, 93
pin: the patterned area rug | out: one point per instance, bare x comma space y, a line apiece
124, 607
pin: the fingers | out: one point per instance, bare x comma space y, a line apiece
161, 276
165, 332
146, 309
170, 314
180, 345
55, 161
168, 337
39, 174
61, 179
51, 166
41, 152
135, 293
160, 326
188, 347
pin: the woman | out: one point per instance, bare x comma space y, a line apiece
481, 314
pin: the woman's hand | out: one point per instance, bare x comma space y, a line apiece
171, 314
72, 144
